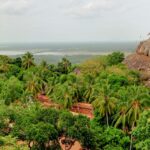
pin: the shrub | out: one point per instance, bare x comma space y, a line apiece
115, 58
12, 90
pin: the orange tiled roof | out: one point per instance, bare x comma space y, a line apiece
84, 109
43, 98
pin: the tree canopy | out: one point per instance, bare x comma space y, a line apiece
36, 104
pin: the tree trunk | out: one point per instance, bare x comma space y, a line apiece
65, 143
107, 119
71, 144
29, 145
131, 143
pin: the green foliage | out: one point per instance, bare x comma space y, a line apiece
88, 139
117, 81
27, 60
7, 140
41, 133
116, 93
142, 131
5, 59
65, 121
105, 102
115, 58
17, 61
13, 71
93, 66
1, 142
48, 116
112, 138
12, 90
64, 66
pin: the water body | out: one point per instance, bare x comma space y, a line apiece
76, 52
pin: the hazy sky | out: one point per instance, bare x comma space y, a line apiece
73, 20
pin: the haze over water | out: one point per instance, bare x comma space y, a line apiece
77, 51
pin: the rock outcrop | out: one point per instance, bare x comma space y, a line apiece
144, 48
140, 61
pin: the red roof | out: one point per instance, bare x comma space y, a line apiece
79, 108
43, 98
84, 109
46, 101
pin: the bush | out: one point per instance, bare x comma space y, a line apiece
2, 142
118, 81
115, 58
11, 90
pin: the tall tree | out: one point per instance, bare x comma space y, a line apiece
138, 100
134, 99
121, 118
64, 66
105, 102
27, 60
142, 132
33, 84
138, 97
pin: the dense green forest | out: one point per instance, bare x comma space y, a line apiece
121, 104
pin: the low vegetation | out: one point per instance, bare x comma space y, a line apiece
121, 104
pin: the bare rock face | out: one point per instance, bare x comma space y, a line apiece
144, 48
141, 61
138, 62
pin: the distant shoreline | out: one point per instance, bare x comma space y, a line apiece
75, 52
83, 53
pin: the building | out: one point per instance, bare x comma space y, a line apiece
84, 109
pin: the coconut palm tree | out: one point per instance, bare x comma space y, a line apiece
75, 91
90, 88
32, 86
43, 66
121, 118
4, 67
134, 101
27, 60
105, 103
88, 94
71, 93
138, 97
67, 100
64, 66
35, 84
49, 88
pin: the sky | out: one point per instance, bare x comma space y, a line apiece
74, 20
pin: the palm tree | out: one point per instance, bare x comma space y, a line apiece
121, 118
27, 60
138, 97
50, 85
70, 94
88, 94
64, 65
44, 66
75, 91
62, 93
105, 102
133, 114
90, 88
34, 84
67, 100
135, 98
4, 67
